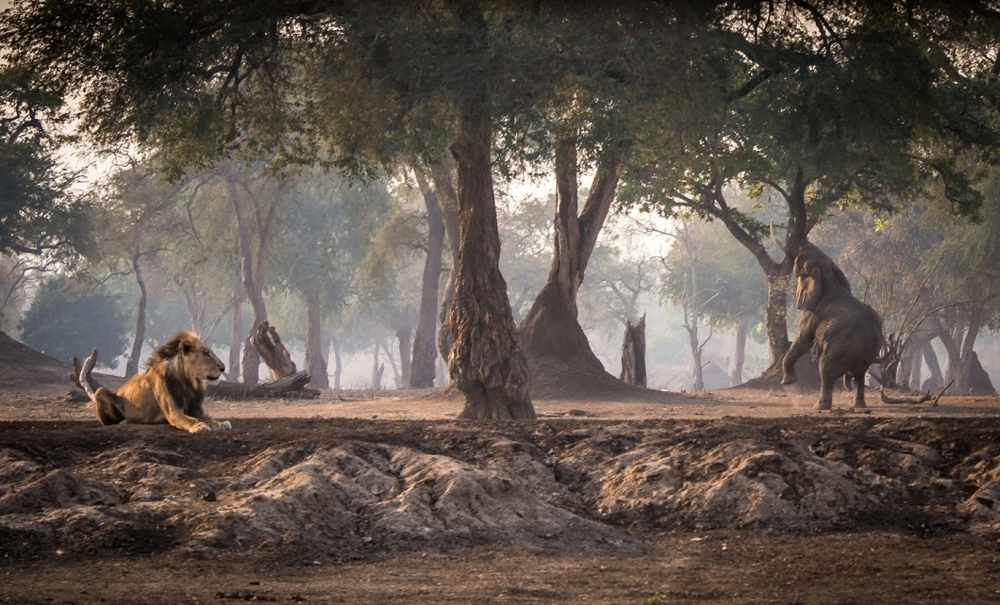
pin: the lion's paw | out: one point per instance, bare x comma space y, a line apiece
201, 427
225, 426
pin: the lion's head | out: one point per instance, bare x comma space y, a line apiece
187, 355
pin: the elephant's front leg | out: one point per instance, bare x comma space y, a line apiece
799, 348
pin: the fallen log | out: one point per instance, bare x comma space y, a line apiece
272, 351
914, 400
289, 387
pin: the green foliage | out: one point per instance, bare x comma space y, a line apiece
38, 214
68, 318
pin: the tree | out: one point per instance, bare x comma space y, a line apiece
197, 118
38, 212
810, 103
68, 318
136, 215
329, 226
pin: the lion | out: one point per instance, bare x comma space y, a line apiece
171, 390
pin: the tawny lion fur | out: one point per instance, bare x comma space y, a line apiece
171, 390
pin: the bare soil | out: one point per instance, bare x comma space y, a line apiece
613, 495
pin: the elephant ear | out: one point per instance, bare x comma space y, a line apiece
809, 290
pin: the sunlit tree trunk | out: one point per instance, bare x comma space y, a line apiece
132, 366
486, 362
377, 367
425, 350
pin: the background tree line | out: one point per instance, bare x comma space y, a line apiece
675, 109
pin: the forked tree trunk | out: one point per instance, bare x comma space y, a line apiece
425, 350
634, 353
551, 328
486, 361
132, 366
315, 361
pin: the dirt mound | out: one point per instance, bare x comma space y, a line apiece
553, 378
22, 367
324, 490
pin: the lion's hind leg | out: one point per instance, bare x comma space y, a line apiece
108, 409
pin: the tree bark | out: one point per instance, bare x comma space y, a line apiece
551, 328
405, 361
315, 361
486, 361
442, 174
425, 350
132, 366
634, 353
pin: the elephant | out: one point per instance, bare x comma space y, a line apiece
846, 331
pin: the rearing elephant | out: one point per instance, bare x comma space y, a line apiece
847, 332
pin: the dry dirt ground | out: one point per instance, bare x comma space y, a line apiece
611, 496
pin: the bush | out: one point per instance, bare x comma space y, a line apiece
68, 318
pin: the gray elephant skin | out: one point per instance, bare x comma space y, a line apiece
847, 332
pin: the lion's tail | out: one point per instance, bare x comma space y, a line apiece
81, 374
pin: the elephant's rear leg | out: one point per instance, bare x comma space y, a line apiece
859, 394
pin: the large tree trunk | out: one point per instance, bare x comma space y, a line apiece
425, 350
315, 361
377, 368
486, 361
132, 366
551, 328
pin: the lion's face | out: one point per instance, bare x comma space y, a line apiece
203, 363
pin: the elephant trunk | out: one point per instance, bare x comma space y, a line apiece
793, 247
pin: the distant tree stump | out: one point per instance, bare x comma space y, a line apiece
634, 353
272, 351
